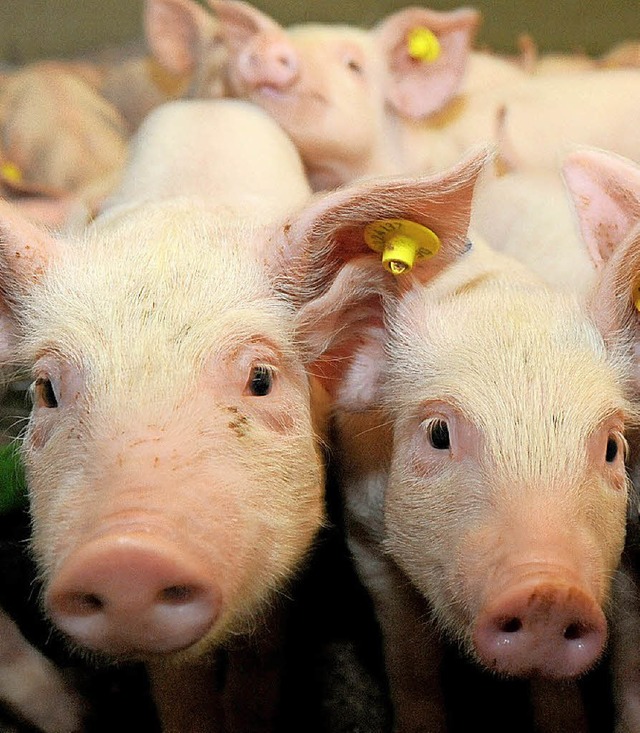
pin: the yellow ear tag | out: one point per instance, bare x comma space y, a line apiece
423, 45
10, 172
402, 243
636, 296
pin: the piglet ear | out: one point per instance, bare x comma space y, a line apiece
330, 231
425, 73
25, 254
339, 282
605, 189
615, 301
240, 21
606, 193
177, 32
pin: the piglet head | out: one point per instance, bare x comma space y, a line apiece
333, 88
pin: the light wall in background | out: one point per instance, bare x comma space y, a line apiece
45, 28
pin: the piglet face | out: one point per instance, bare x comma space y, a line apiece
172, 462
322, 84
508, 485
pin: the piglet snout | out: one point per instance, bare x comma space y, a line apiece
551, 629
271, 64
130, 595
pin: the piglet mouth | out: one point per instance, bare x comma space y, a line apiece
289, 95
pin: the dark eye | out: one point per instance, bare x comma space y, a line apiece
354, 66
260, 381
612, 450
44, 393
438, 434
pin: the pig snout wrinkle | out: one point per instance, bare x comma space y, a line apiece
131, 596
547, 629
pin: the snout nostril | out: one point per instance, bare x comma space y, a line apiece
284, 61
177, 594
82, 604
511, 625
574, 631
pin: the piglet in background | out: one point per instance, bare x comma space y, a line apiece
61, 142
185, 58
480, 420
392, 100
173, 451
65, 124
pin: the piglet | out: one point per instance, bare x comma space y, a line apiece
173, 451
360, 103
59, 140
480, 420
184, 58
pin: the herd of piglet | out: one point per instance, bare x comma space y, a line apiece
333, 341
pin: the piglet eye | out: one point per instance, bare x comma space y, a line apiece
260, 380
612, 450
353, 65
438, 434
45, 395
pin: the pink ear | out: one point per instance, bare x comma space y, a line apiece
340, 283
615, 300
240, 21
25, 252
605, 189
176, 31
418, 88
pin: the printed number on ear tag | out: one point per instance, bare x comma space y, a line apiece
401, 242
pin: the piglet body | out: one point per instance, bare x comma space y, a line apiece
360, 103
174, 473
480, 418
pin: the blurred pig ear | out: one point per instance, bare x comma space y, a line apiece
240, 21
605, 189
340, 284
176, 33
425, 73
25, 251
